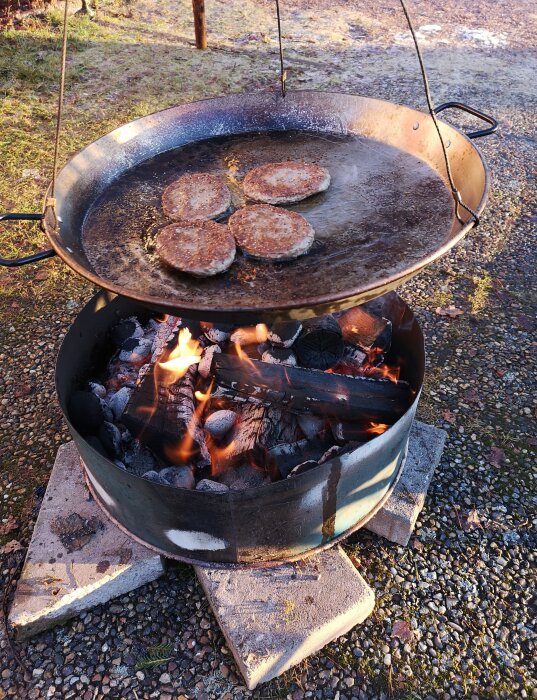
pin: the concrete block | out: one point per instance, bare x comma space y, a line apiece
396, 519
76, 558
274, 618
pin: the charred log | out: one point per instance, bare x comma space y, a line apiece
301, 390
286, 456
320, 343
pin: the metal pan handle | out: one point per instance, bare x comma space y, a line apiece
17, 262
474, 112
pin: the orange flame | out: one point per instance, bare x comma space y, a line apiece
184, 450
186, 353
377, 428
243, 356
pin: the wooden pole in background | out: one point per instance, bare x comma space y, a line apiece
200, 28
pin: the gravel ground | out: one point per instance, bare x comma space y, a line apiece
453, 616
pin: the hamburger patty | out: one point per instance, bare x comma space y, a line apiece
201, 248
283, 183
196, 196
269, 233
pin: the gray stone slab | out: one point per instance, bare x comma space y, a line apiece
103, 563
274, 618
396, 519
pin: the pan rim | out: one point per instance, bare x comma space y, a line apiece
301, 308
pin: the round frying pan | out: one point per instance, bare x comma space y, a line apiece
387, 214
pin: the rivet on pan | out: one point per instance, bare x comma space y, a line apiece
416, 126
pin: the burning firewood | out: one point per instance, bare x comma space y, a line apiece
302, 390
163, 415
361, 328
286, 456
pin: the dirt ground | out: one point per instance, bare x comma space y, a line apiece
464, 585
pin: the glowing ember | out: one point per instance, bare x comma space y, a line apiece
186, 353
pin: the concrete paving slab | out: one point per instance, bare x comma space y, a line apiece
396, 519
274, 618
76, 558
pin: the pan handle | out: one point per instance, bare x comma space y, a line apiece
476, 113
17, 262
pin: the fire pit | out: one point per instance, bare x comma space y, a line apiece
315, 472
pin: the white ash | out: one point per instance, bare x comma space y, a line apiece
220, 422
310, 425
204, 365
118, 401
216, 334
279, 356
97, 389
164, 333
212, 486
136, 350
283, 334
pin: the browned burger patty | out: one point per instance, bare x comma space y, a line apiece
201, 248
270, 233
196, 196
283, 183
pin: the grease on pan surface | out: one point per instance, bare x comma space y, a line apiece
200, 248
284, 183
265, 232
373, 221
196, 196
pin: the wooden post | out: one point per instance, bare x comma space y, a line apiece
200, 28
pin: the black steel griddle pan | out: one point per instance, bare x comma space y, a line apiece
387, 214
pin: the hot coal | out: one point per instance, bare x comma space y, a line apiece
125, 329
97, 389
243, 477
138, 458
366, 330
156, 477
136, 351
220, 423
110, 437
320, 343
86, 412
212, 486
119, 400
181, 477
284, 333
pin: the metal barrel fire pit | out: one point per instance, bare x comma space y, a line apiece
280, 521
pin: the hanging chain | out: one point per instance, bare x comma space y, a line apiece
283, 72
51, 201
454, 191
